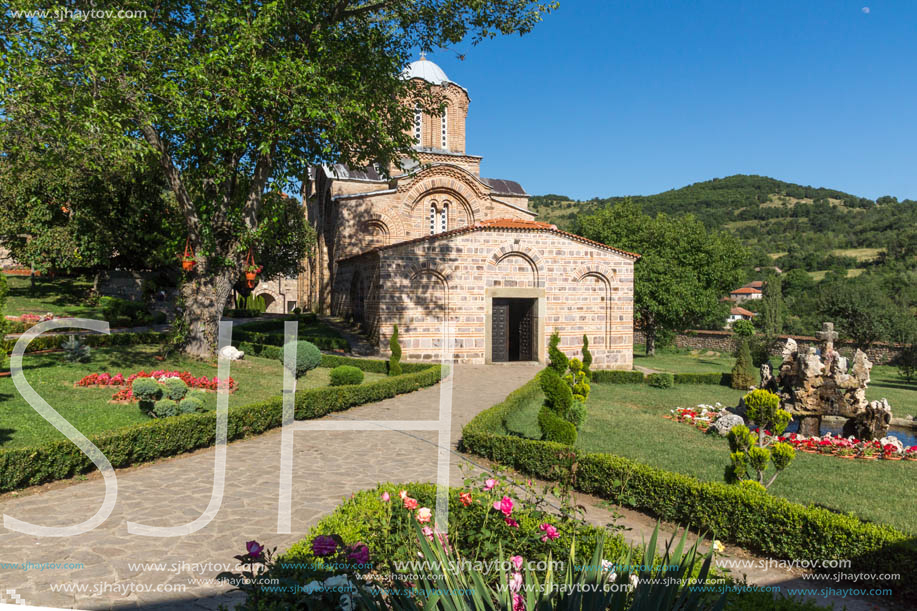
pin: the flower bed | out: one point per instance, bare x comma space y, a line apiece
704, 416
101, 380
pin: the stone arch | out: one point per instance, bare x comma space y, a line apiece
272, 299
606, 277
444, 179
530, 255
384, 227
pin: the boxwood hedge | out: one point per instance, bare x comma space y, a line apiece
46, 342
22, 467
755, 520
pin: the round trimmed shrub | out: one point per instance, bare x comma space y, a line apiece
175, 389
146, 389
191, 405
308, 357
346, 374
555, 428
165, 408
557, 393
661, 380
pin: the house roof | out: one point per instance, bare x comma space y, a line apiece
501, 186
737, 311
503, 223
746, 290
756, 284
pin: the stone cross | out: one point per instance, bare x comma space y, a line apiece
827, 335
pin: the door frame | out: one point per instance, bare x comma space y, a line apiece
513, 293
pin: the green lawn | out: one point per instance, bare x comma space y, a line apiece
60, 296
309, 326
88, 409
885, 380
626, 419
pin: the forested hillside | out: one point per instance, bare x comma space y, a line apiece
799, 226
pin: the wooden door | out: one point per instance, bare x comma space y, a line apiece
499, 333
527, 332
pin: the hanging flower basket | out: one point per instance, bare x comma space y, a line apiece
187, 258
251, 270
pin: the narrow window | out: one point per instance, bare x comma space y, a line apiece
444, 218
432, 219
445, 132
418, 125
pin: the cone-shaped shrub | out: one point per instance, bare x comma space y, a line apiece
394, 361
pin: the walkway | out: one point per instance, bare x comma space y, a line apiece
328, 466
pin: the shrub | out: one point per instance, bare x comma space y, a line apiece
576, 415
558, 397
119, 311
660, 380
604, 376
191, 404
558, 360
554, 428
346, 374
308, 357
723, 379
743, 328
743, 372
159, 317
394, 361
297, 310
175, 389
146, 389
165, 408
76, 351
46, 342
578, 380
587, 357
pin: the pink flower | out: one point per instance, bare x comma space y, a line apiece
489, 484
323, 545
517, 562
427, 532
358, 553
549, 532
515, 582
424, 514
465, 498
254, 548
505, 505
385, 497
410, 503
511, 522
403, 494
518, 602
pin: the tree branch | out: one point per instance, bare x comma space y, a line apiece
256, 193
175, 180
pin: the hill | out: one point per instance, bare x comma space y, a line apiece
808, 227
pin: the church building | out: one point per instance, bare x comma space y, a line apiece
438, 243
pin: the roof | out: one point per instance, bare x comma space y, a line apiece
756, 284
504, 223
426, 70
343, 172
737, 311
746, 290
502, 186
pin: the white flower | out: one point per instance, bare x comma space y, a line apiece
718, 547
634, 580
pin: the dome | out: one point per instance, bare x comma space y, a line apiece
427, 70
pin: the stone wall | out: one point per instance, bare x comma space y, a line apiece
724, 341
580, 289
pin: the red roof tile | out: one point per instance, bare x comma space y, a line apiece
746, 290
737, 311
513, 224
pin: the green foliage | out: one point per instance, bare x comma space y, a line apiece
346, 374
4, 289
750, 453
578, 380
75, 351
394, 361
146, 389
721, 379
660, 380
743, 328
763, 408
613, 376
587, 357
684, 269
773, 310
253, 304
22, 467
555, 428
175, 389
743, 372
576, 415
308, 357
46, 342
557, 360
191, 405
166, 408
558, 396
740, 514
121, 312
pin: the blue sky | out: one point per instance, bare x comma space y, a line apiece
613, 98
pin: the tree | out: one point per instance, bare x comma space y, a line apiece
743, 328
860, 308
750, 452
743, 372
684, 270
4, 289
233, 101
772, 308
394, 361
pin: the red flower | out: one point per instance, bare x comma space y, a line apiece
465, 498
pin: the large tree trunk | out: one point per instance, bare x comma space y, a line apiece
650, 335
203, 298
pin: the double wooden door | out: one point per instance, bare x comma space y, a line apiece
513, 329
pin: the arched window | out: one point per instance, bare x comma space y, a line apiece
445, 132
444, 217
418, 125
432, 219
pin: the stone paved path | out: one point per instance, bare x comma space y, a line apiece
328, 466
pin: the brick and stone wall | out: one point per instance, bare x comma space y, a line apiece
580, 288
724, 341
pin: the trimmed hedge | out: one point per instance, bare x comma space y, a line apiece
722, 379
343, 375
46, 342
555, 428
755, 520
274, 339
604, 376
333, 360
22, 467
613, 376
660, 380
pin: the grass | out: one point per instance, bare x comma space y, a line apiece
860, 254
683, 361
820, 274
309, 326
89, 410
626, 420
60, 296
